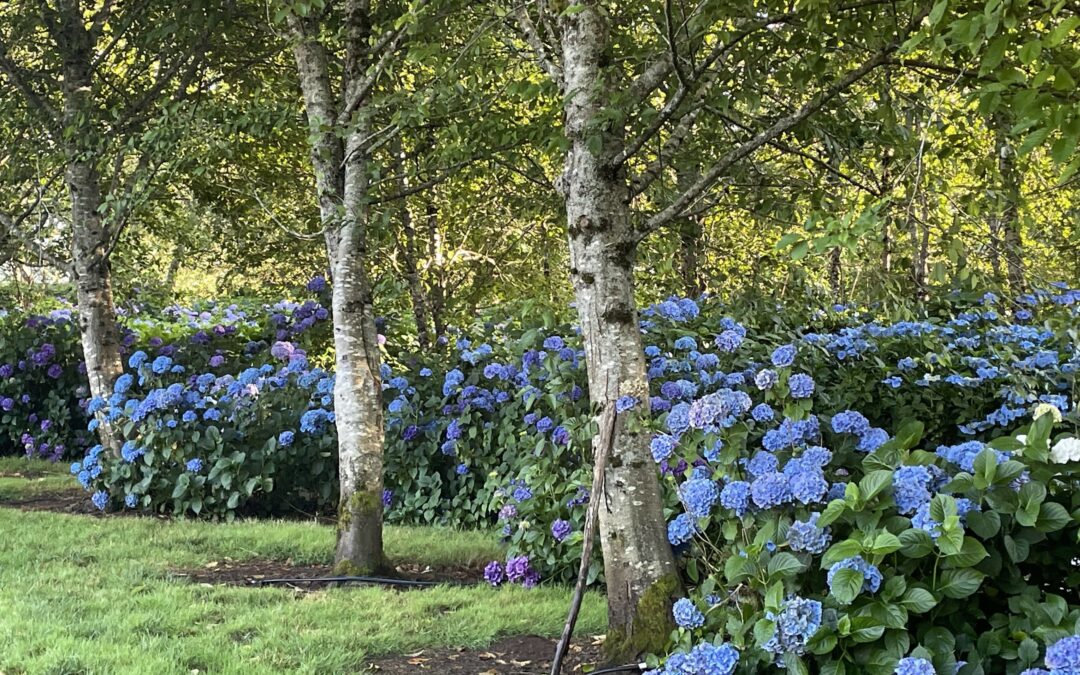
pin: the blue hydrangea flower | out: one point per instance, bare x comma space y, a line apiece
194, 465
766, 379
801, 385
1063, 657
682, 529
769, 490
704, 659
850, 422
662, 447
625, 403
729, 341
687, 615
784, 356
699, 495
808, 486
100, 499
131, 500
761, 463
685, 343
736, 496
912, 665
911, 488
873, 439
560, 529
763, 412
795, 623
807, 537
285, 438
678, 419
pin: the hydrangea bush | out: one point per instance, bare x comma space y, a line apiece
818, 542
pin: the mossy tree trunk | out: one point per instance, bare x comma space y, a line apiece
638, 560
341, 175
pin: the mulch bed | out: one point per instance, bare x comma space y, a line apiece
255, 573
520, 655
69, 501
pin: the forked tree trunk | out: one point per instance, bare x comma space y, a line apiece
640, 567
342, 189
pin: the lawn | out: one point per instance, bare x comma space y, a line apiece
80, 594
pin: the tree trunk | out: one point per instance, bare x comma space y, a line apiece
90, 239
836, 273
409, 256
358, 387
638, 561
1009, 221
174, 267
342, 189
690, 243
438, 263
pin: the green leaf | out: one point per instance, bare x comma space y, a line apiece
986, 524
841, 550
917, 543
784, 564
874, 482
885, 543
832, 511
919, 600
971, 553
938, 12
794, 664
1052, 517
910, 433
846, 585
959, 583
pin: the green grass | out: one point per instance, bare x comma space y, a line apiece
94, 595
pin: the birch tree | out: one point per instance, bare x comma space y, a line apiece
348, 59
104, 83
635, 79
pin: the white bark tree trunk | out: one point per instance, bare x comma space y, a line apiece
341, 181
90, 238
638, 561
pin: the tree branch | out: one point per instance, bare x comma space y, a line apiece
17, 76
762, 138
532, 37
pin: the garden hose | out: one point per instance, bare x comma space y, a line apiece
630, 667
366, 580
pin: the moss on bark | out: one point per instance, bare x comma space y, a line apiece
651, 626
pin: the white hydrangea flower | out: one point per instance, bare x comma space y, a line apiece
1044, 408
1066, 450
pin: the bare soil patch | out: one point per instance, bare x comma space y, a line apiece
283, 573
518, 655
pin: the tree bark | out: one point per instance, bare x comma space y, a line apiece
690, 242
409, 258
836, 272
90, 237
438, 263
1008, 222
341, 181
638, 561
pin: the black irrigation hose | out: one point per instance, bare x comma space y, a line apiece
634, 667
630, 667
365, 580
